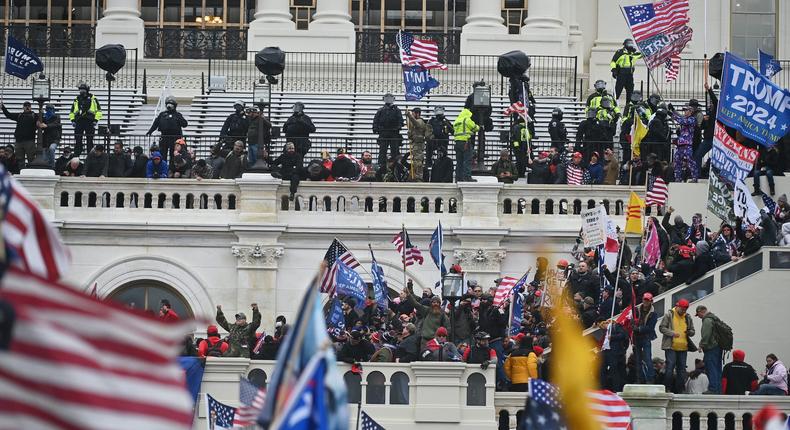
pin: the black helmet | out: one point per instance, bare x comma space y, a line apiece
481, 335
557, 113
654, 99
171, 100
600, 85
84, 86
629, 44
636, 96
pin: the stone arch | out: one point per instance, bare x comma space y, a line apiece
123, 271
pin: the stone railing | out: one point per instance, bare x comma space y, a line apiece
562, 199
423, 394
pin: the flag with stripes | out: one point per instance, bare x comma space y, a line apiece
771, 205
610, 409
661, 30
517, 108
36, 245
369, 423
544, 409
575, 174
410, 254
672, 68
657, 192
75, 362
335, 252
504, 290
633, 217
251, 398
417, 52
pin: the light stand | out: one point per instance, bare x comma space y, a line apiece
452, 290
41, 92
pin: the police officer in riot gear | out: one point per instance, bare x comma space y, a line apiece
387, 124
235, 126
170, 124
297, 129
623, 65
557, 130
637, 109
600, 93
84, 115
442, 128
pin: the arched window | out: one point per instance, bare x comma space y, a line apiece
258, 378
375, 390
148, 296
476, 390
399, 389
353, 386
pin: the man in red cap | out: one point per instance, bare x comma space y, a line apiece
738, 376
644, 334
212, 345
677, 329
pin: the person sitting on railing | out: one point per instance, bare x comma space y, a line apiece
119, 164
574, 172
74, 168
290, 167
216, 161
442, 170
202, 170
782, 213
749, 237
157, 167
738, 377
540, 170
235, 163
481, 353
370, 169
180, 167
61, 162
697, 382
439, 348
504, 169
96, 162
409, 346
139, 164
346, 168
774, 379
356, 350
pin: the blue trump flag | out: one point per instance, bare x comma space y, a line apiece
751, 103
518, 305
349, 283
418, 82
437, 242
379, 284
297, 371
21, 61
768, 65
336, 321
193, 369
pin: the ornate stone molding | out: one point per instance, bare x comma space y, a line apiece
480, 260
257, 256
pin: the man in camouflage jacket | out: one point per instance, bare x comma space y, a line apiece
241, 334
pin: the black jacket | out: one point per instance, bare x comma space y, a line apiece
493, 322
658, 131
558, 133
358, 353
297, 129
119, 166
442, 170
388, 119
645, 329
139, 167
169, 123
25, 124
408, 349
592, 130
96, 165
587, 284
442, 129
289, 163
236, 125
53, 131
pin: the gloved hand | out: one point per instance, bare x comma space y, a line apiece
484, 365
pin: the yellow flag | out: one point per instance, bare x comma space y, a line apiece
638, 133
574, 368
633, 218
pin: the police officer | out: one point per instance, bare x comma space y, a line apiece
590, 133
85, 113
637, 109
623, 64
521, 145
235, 126
387, 124
441, 128
600, 93
297, 129
607, 117
170, 123
557, 130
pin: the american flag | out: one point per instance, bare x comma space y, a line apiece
416, 52
672, 68
35, 242
336, 251
575, 174
219, 415
368, 423
518, 108
544, 409
411, 254
657, 192
771, 205
651, 19
252, 399
79, 363
504, 290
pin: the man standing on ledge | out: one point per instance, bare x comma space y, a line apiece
623, 64
387, 124
85, 113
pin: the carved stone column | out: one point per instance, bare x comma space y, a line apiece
121, 24
481, 264
257, 279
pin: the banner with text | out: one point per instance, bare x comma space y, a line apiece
720, 196
733, 160
744, 205
751, 103
418, 82
594, 227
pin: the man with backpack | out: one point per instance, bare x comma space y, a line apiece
213, 345
716, 338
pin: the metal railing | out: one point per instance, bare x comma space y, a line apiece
68, 71
347, 73
191, 43
73, 41
381, 47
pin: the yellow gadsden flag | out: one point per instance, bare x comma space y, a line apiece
633, 217
637, 134
574, 368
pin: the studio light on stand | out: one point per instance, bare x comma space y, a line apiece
41, 93
111, 59
271, 63
452, 290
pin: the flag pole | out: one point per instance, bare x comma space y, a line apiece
616, 284
649, 71
403, 252
349, 250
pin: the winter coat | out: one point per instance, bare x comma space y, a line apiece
207, 343
707, 339
521, 366
290, 164
442, 170
234, 166
155, 171
241, 337
95, 164
666, 329
25, 129
356, 353
53, 131
646, 329
776, 376
139, 166
429, 322
408, 349
493, 322
120, 165
388, 119
463, 324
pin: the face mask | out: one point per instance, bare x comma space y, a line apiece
171, 106
388, 101
83, 92
297, 109
239, 109
279, 324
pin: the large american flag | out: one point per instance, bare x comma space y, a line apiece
35, 243
252, 399
79, 363
672, 68
517, 108
544, 408
411, 254
416, 52
504, 289
336, 251
575, 174
657, 192
648, 20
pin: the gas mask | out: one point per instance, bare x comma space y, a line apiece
298, 108
239, 109
439, 111
171, 107
83, 93
389, 100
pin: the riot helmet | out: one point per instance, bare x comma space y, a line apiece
298, 107
600, 85
388, 99
654, 100
557, 113
629, 44
636, 96
238, 106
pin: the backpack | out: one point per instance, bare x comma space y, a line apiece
214, 350
723, 334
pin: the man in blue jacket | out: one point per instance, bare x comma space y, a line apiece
157, 167
644, 333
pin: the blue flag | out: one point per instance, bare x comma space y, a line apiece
518, 305
751, 103
193, 368
768, 65
437, 242
349, 283
21, 61
308, 409
219, 415
379, 285
418, 82
336, 320
296, 367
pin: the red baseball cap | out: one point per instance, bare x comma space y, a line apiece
683, 303
538, 350
441, 331
577, 154
648, 296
